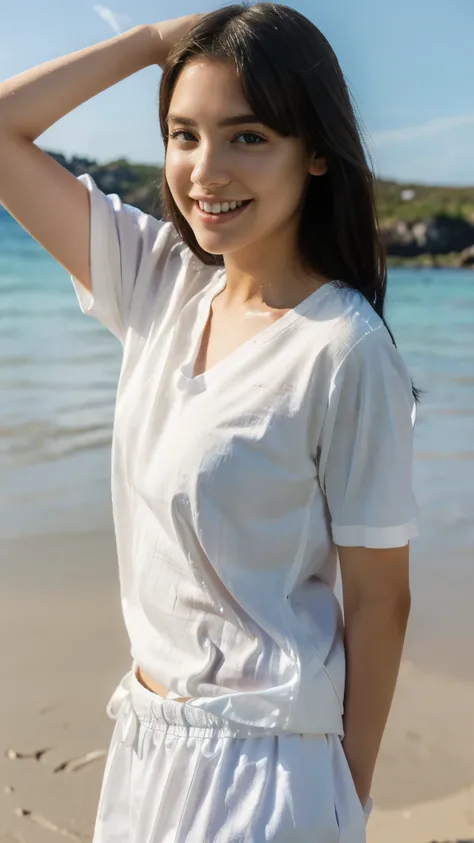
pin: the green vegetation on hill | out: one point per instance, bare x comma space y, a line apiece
428, 201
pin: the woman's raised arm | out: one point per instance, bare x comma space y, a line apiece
44, 197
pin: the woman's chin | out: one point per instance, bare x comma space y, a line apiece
209, 241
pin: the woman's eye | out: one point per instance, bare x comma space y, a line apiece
250, 135
242, 134
175, 134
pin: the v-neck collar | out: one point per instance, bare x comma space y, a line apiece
202, 381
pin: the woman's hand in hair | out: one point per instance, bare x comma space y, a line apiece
168, 32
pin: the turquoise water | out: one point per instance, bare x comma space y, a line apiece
60, 368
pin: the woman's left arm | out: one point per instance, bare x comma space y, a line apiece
377, 600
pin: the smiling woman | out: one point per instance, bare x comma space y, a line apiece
264, 421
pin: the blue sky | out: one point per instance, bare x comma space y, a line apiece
410, 65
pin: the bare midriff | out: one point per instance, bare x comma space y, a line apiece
146, 680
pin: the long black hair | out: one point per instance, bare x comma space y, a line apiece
292, 80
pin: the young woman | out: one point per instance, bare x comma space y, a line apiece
263, 428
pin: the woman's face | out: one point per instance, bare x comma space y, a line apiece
242, 161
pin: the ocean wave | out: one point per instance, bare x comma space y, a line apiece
38, 441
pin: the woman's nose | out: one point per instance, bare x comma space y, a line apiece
209, 169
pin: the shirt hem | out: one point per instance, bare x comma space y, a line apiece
375, 537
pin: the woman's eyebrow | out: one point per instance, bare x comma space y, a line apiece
228, 121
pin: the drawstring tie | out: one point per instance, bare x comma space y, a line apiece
120, 708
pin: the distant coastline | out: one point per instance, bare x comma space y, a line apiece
420, 225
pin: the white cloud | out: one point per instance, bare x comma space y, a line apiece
432, 127
116, 21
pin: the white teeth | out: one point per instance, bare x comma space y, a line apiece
218, 208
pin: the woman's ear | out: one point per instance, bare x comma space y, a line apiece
318, 166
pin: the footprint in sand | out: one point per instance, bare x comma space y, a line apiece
47, 824
70, 766
76, 763
13, 755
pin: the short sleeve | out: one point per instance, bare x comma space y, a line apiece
126, 246
365, 465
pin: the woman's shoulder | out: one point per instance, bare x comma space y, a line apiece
357, 347
359, 328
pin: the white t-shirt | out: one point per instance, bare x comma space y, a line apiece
231, 489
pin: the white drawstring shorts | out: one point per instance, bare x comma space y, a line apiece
178, 774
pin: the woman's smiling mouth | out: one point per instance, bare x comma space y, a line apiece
218, 213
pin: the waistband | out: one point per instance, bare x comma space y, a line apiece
133, 704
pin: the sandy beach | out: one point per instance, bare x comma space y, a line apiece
64, 649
